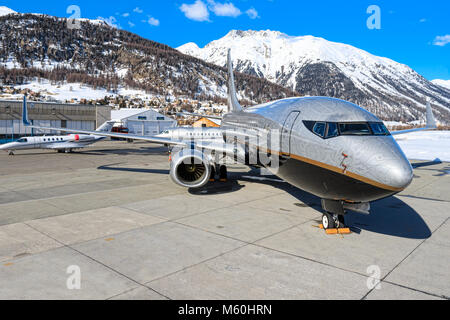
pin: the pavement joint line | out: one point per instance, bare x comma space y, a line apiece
246, 244
422, 198
23, 192
417, 290
99, 262
89, 192
406, 257
127, 291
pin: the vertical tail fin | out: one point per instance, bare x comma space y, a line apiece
233, 103
25, 120
431, 122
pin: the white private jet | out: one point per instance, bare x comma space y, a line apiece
61, 143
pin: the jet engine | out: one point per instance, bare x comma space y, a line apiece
190, 168
80, 138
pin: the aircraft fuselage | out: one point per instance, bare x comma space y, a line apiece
319, 151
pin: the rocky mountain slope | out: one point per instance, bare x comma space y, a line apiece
315, 66
36, 46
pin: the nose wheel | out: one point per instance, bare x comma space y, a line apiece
333, 221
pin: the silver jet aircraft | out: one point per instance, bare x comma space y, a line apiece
331, 148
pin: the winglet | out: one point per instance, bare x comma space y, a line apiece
431, 122
25, 120
233, 103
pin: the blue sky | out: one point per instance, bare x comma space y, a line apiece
416, 33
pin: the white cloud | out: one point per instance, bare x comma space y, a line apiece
131, 24
138, 10
441, 40
196, 11
423, 20
126, 14
252, 13
224, 9
111, 21
152, 21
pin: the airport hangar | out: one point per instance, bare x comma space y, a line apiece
145, 122
77, 116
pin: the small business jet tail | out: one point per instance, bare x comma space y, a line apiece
233, 102
106, 127
431, 123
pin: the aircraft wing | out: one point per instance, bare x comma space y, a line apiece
115, 135
431, 123
27, 123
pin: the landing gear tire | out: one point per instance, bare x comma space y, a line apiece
11, 153
341, 220
212, 176
223, 172
328, 221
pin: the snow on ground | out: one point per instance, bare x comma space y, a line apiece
426, 145
76, 91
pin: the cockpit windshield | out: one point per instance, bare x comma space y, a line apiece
23, 140
328, 130
350, 129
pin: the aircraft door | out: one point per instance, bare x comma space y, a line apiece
286, 132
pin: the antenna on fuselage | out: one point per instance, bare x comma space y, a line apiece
233, 102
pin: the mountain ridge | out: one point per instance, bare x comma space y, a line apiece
315, 66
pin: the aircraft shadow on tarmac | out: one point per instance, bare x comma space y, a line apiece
389, 216
113, 167
141, 150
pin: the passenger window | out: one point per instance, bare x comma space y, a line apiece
319, 129
332, 130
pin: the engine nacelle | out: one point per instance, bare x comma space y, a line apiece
190, 168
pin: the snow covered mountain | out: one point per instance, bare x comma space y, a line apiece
37, 46
315, 66
5, 11
442, 83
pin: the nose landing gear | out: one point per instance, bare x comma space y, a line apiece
333, 221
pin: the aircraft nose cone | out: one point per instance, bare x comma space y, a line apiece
400, 174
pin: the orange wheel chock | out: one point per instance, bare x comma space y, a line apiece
336, 231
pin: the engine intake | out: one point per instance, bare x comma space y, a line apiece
190, 169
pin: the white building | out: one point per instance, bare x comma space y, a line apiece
146, 122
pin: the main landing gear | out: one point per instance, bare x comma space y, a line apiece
222, 172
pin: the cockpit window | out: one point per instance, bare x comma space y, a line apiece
327, 130
332, 130
379, 129
351, 129
319, 129
22, 140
